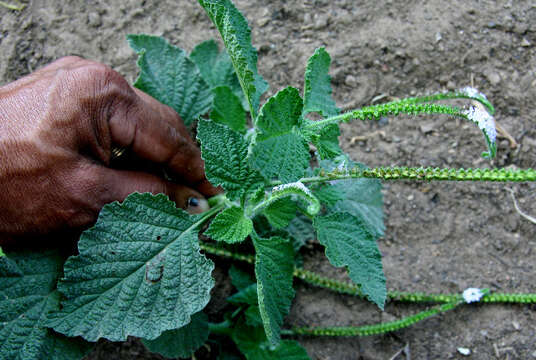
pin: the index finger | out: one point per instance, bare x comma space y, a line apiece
156, 132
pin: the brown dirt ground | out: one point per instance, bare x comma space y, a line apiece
441, 237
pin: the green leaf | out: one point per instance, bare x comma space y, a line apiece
27, 295
327, 142
280, 150
225, 154
281, 212
2, 253
301, 229
348, 243
231, 226
317, 98
240, 279
236, 36
274, 267
317, 92
253, 316
252, 342
169, 76
247, 295
227, 109
215, 67
139, 272
361, 197
182, 342
328, 194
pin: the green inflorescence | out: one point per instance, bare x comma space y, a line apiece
426, 174
367, 330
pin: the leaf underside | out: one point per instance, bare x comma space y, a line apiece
139, 273
169, 76
27, 296
225, 154
274, 267
348, 243
182, 342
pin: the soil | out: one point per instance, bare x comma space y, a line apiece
440, 237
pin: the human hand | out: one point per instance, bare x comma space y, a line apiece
57, 130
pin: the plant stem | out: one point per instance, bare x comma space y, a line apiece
375, 329
425, 174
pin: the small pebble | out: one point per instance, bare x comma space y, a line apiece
525, 42
464, 351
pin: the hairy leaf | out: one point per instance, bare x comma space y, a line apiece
139, 272
301, 229
281, 212
231, 226
280, 150
240, 279
327, 142
317, 92
169, 76
27, 295
253, 316
252, 342
328, 194
361, 197
225, 154
348, 243
248, 295
274, 267
227, 109
182, 342
317, 98
236, 36
215, 67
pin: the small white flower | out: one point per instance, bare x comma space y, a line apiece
472, 92
296, 185
484, 121
472, 295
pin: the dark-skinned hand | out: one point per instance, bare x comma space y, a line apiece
58, 127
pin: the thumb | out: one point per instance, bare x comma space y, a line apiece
118, 184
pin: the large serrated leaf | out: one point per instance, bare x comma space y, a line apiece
236, 36
280, 150
317, 92
139, 273
348, 243
225, 154
252, 342
231, 226
169, 76
274, 267
301, 229
27, 295
227, 109
182, 342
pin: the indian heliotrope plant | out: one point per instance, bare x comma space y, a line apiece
140, 270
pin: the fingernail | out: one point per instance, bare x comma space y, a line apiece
196, 205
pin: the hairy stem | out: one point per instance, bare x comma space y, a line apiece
375, 329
